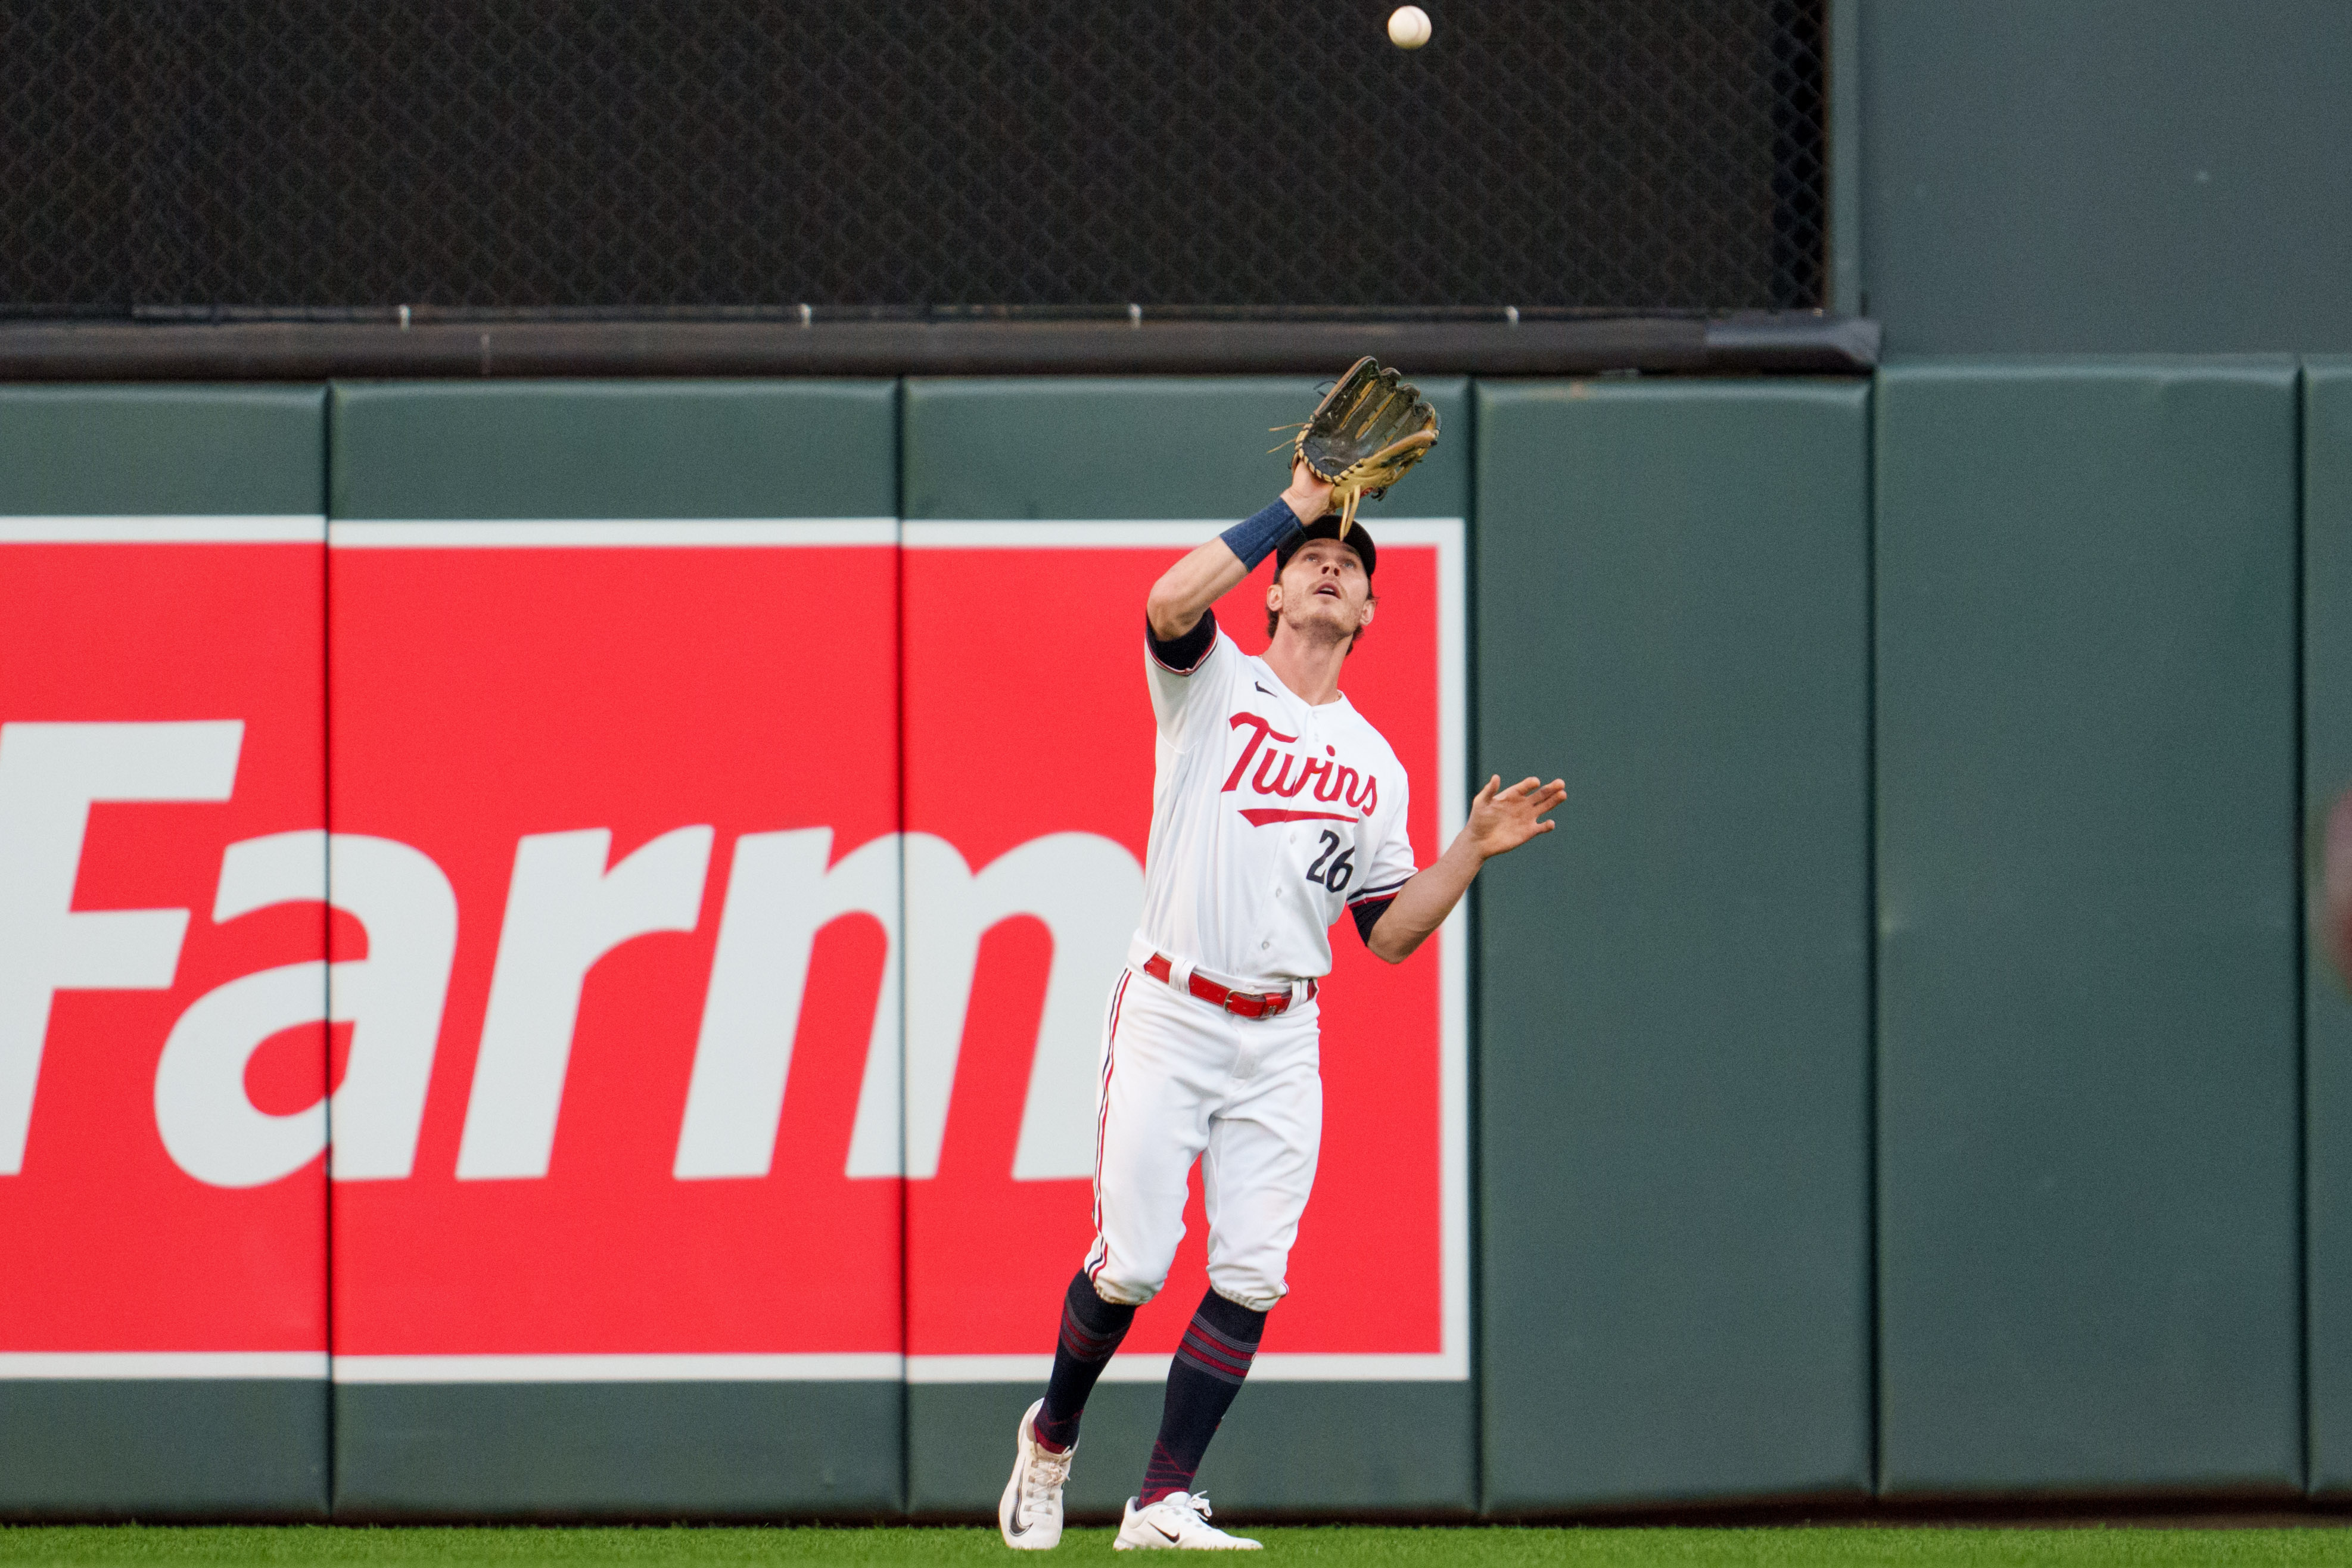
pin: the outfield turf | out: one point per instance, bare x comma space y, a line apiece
727, 1548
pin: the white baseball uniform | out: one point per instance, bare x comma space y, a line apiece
1270, 818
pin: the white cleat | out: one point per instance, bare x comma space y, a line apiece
1031, 1513
1177, 1523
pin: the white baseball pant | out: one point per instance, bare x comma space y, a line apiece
1184, 1080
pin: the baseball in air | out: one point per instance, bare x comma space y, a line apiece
1408, 27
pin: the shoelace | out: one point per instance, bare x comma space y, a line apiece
1194, 1503
1048, 1471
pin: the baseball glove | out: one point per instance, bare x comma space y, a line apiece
1365, 435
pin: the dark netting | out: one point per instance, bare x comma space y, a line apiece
1612, 154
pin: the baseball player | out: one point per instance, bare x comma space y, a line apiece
1276, 808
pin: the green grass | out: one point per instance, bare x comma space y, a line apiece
1908, 1547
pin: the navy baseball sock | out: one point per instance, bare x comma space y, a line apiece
1219, 1345
1091, 1330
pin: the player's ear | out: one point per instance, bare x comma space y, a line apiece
1371, 603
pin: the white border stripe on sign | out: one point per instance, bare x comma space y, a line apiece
1446, 535
1454, 936
845, 1368
292, 529
140, 1366
1178, 534
1270, 1367
1156, 533
576, 533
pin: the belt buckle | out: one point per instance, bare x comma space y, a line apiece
1259, 1004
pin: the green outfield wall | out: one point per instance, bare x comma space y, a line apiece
1673, 600
2327, 431
1906, 1073
2087, 1135
2033, 179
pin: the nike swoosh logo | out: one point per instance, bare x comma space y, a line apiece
1263, 688
1162, 1529
1017, 1526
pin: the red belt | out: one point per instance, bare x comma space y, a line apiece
1247, 1004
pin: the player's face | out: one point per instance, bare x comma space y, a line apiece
1323, 593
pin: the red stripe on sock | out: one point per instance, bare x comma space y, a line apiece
1216, 1356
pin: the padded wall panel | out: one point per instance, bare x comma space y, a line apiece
651, 1450
615, 449
2031, 181
1062, 448
1360, 1400
202, 1450
619, 1232
2327, 1011
163, 1051
1673, 1105
140, 450
2087, 989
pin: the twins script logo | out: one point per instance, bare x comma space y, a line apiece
1324, 778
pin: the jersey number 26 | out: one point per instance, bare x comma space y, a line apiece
1336, 875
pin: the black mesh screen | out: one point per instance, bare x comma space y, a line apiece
639, 153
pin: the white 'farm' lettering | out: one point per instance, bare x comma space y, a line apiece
566, 910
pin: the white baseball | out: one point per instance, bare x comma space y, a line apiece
1408, 27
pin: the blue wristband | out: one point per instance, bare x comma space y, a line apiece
1255, 537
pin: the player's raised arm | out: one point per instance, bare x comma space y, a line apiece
1186, 590
1500, 821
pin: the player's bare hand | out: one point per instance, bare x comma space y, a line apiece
1502, 819
1307, 496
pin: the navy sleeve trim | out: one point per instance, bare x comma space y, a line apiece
1182, 655
1367, 915
1383, 894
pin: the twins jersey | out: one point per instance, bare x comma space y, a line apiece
1270, 818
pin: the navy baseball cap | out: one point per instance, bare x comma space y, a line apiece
1360, 540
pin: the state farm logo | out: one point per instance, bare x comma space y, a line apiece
567, 905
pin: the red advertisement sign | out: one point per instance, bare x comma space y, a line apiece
717, 922
161, 946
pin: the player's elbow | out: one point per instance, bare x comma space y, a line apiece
1169, 617
1390, 946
